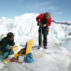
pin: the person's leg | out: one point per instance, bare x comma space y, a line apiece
6, 52
4, 57
0, 50
40, 37
45, 32
11, 52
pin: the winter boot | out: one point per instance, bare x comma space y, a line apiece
39, 47
45, 47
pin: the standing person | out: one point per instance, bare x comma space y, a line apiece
43, 21
5, 45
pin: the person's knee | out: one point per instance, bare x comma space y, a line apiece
5, 54
11, 52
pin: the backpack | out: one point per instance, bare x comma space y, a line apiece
29, 58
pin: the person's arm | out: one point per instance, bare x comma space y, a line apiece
39, 18
3, 45
49, 21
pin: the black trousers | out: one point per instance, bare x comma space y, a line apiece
43, 32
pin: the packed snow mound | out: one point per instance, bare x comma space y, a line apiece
25, 27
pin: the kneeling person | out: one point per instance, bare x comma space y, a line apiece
6, 44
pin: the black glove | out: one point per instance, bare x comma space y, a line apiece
38, 24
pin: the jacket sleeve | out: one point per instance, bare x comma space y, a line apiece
3, 45
49, 21
39, 17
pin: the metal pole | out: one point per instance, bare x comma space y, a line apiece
41, 34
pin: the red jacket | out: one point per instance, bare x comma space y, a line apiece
42, 16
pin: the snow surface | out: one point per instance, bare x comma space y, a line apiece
55, 58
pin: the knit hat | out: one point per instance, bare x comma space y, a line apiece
10, 34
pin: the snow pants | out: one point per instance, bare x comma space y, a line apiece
7, 52
43, 32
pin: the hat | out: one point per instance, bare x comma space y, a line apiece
10, 34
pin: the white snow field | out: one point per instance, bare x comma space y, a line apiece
56, 58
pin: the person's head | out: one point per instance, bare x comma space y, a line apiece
10, 36
47, 14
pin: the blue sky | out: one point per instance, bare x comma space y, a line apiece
59, 9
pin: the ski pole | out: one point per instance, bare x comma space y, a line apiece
41, 33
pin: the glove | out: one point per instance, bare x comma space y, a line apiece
44, 25
48, 30
38, 24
